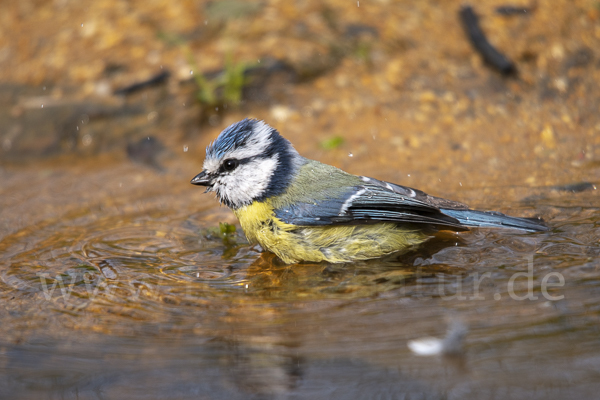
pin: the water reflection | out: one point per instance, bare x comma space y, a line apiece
229, 371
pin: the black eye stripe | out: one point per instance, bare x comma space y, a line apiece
226, 165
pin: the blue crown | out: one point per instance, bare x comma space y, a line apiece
232, 137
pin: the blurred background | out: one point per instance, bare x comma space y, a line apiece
106, 108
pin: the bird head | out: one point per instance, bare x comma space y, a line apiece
248, 162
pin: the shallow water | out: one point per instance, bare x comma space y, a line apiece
116, 283
138, 295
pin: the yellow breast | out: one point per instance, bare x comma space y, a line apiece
334, 244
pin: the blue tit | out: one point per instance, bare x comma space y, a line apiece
303, 210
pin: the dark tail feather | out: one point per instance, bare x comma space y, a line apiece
495, 219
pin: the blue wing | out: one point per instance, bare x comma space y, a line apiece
377, 201
373, 201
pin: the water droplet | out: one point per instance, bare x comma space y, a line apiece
350, 154
44, 88
185, 148
460, 183
42, 106
82, 25
86, 140
408, 175
216, 108
427, 346
358, 4
191, 72
152, 115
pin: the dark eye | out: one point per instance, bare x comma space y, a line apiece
230, 165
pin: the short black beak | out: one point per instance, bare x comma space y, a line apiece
202, 179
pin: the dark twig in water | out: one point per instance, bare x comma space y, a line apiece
492, 56
514, 10
575, 187
153, 81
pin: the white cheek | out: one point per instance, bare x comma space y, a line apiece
249, 181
